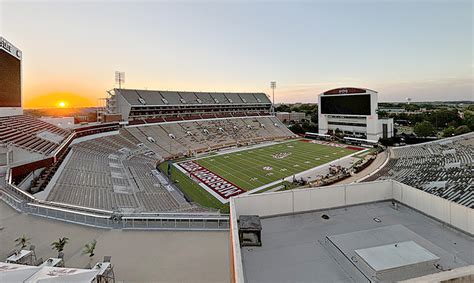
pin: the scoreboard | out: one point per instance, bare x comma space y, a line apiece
10, 75
346, 104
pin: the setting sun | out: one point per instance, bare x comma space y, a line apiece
62, 104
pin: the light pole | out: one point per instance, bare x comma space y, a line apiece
119, 78
273, 85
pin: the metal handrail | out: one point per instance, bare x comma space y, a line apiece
27, 203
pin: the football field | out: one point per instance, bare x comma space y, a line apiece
253, 168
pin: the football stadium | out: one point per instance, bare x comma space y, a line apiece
166, 179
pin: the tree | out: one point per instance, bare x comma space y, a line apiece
449, 131
283, 108
424, 129
462, 130
297, 129
22, 241
444, 117
59, 245
469, 120
411, 107
89, 248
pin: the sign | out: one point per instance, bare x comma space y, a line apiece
9, 48
221, 186
345, 90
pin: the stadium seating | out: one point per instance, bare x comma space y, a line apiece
115, 173
31, 134
443, 168
118, 172
171, 140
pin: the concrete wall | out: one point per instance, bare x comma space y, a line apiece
454, 214
294, 201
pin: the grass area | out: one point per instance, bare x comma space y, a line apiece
252, 168
368, 152
193, 190
289, 186
271, 187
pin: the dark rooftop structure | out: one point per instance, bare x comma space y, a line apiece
160, 97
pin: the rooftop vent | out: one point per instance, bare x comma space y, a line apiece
171, 136
250, 230
199, 100
142, 101
182, 100
164, 101
216, 100
205, 131
230, 100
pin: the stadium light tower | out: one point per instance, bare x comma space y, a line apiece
273, 85
119, 78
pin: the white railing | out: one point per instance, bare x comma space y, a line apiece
27, 203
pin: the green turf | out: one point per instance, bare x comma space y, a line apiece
193, 190
246, 168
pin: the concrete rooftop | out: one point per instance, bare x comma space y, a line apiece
295, 247
137, 256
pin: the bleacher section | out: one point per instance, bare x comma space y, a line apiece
171, 140
148, 106
31, 134
116, 173
444, 168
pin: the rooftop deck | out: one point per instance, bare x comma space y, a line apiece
296, 247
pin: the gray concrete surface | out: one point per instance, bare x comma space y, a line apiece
295, 248
137, 256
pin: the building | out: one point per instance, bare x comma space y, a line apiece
286, 117
366, 232
23, 139
10, 79
352, 112
133, 104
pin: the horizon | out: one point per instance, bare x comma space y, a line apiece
401, 49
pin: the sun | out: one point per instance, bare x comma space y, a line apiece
62, 104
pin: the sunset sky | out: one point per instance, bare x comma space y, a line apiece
416, 49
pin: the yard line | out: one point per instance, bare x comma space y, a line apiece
234, 170
225, 173
260, 156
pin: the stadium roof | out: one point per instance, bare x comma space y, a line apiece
136, 97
